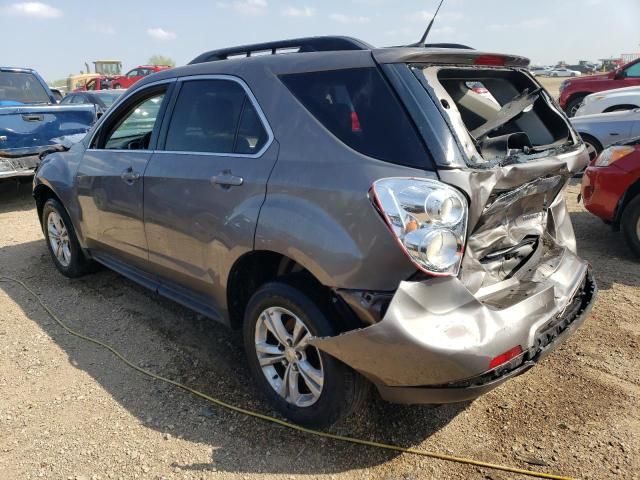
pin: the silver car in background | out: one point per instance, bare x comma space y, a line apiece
604, 129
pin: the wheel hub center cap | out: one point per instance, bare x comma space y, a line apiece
290, 355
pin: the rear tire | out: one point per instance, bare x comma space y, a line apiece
62, 243
630, 225
274, 359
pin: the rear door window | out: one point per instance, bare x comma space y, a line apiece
215, 116
22, 87
358, 106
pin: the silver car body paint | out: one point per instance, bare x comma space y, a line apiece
306, 198
609, 128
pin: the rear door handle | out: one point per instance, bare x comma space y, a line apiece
227, 179
129, 176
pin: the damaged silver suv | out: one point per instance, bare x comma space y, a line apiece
364, 215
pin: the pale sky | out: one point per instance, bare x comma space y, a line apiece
57, 37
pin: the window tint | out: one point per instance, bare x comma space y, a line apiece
633, 71
133, 131
359, 108
22, 87
214, 116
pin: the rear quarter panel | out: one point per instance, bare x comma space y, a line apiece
317, 209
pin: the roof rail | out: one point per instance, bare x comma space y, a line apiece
308, 44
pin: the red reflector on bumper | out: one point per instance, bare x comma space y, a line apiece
505, 357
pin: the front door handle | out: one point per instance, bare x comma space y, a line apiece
227, 179
129, 176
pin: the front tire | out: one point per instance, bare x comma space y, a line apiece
573, 105
630, 225
62, 242
594, 147
303, 383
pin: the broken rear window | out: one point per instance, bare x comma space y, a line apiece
504, 112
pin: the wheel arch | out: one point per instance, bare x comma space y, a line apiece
41, 193
253, 269
632, 192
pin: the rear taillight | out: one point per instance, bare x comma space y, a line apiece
355, 122
428, 219
491, 60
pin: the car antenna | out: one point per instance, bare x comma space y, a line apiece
423, 40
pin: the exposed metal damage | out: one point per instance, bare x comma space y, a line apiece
521, 283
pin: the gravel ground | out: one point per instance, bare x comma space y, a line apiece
70, 410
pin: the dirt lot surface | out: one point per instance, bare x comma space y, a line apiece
552, 85
70, 410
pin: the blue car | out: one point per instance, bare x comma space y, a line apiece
31, 121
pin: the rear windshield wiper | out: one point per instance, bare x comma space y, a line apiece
508, 112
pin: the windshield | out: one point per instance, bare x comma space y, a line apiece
21, 87
109, 97
108, 68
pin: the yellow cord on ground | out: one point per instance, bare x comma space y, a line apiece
282, 423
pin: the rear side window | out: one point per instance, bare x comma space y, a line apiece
215, 116
359, 108
22, 87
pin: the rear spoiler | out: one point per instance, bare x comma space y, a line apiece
448, 56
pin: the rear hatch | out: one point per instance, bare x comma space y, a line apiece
506, 144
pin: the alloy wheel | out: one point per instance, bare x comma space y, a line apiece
292, 367
59, 239
591, 150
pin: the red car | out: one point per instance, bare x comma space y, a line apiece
611, 189
132, 76
574, 90
98, 83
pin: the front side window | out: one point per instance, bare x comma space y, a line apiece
633, 71
359, 108
215, 116
133, 73
133, 130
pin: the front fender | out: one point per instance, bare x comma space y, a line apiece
57, 173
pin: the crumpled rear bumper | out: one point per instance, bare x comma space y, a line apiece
437, 339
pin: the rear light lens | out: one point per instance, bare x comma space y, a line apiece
428, 219
355, 122
613, 154
505, 357
493, 60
